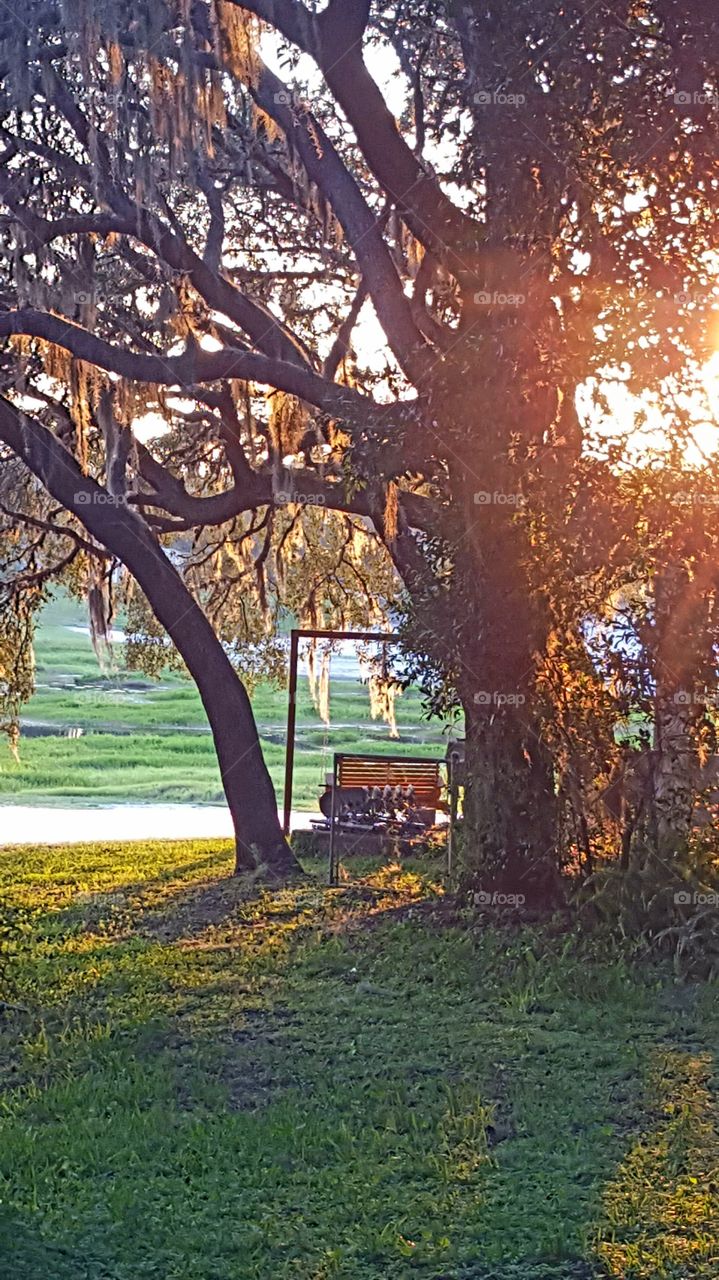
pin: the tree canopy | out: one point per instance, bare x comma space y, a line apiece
382, 345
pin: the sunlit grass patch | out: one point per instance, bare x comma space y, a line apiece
225, 1084
661, 1208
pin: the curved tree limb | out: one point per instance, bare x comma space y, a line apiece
334, 39
248, 787
324, 167
199, 366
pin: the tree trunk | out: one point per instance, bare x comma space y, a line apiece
511, 812
683, 658
509, 805
498, 628
246, 781
247, 784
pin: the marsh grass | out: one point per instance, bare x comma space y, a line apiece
145, 740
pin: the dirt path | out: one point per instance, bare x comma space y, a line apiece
30, 824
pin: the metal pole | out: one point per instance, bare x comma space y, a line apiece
332, 878
296, 634
291, 719
453, 799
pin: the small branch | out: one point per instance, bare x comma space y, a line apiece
13, 1008
212, 255
341, 344
62, 530
41, 576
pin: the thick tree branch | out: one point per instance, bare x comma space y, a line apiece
334, 40
325, 167
199, 366
271, 490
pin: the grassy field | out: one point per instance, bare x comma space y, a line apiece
146, 740
347, 1083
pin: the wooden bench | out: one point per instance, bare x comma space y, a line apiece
357, 777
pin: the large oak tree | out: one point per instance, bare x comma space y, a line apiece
182, 222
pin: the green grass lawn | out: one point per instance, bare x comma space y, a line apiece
349, 1083
146, 740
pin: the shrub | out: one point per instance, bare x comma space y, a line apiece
664, 907
15, 926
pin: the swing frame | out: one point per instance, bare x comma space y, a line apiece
309, 633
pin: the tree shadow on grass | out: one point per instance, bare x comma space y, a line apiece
148, 901
659, 1210
296, 1063
168, 909
26, 1254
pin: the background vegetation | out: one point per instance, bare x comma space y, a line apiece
148, 740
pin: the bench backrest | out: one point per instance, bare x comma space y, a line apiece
369, 771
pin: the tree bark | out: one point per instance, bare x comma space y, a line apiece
511, 798
510, 805
683, 657
511, 812
248, 787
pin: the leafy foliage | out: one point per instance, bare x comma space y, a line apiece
663, 909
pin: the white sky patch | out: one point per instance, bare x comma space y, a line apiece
645, 421
580, 261
634, 201
705, 436
370, 340
384, 67
149, 427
